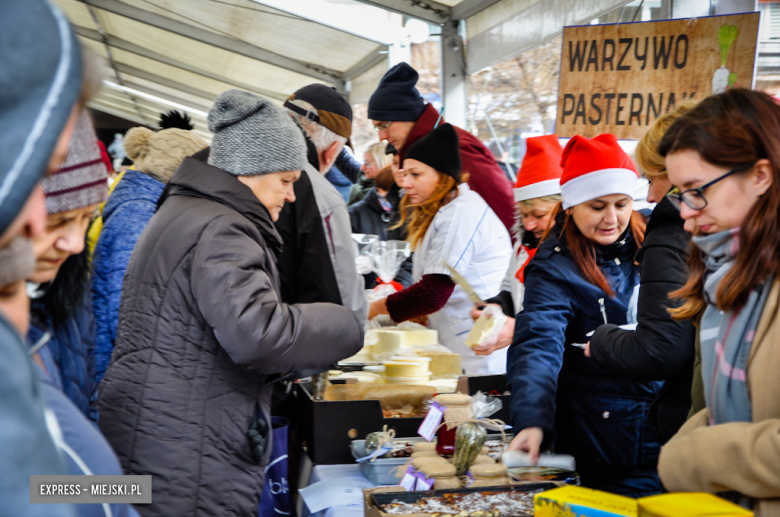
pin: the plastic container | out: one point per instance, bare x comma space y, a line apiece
381, 471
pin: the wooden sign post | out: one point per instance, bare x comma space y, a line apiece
619, 78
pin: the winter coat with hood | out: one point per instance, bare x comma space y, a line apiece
584, 410
126, 214
201, 329
485, 176
660, 348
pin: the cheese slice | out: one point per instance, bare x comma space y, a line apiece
482, 328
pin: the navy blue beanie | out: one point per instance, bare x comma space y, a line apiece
40, 82
396, 98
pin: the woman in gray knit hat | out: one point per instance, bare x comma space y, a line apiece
202, 328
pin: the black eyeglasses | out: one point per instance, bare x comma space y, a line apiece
694, 197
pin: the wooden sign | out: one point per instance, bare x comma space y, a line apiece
619, 78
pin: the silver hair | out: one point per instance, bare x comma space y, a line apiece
321, 136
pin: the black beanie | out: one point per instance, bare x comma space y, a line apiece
396, 98
438, 149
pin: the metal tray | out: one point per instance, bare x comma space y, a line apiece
381, 499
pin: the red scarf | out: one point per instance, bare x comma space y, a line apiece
521, 272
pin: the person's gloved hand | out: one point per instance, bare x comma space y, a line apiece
364, 264
258, 439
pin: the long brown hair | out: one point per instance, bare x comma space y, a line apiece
730, 130
583, 250
421, 215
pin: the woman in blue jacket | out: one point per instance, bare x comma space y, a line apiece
582, 276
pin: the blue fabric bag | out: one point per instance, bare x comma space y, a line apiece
276, 500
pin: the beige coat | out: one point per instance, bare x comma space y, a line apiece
738, 456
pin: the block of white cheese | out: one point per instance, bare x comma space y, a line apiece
483, 328
420, 337
443, 363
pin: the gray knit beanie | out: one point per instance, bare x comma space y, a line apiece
17, 261
252, 136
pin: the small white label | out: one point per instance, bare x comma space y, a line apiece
423, 483
409, 481
432, 422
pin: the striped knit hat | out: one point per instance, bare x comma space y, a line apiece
83, 179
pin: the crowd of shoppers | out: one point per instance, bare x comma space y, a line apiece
219, 271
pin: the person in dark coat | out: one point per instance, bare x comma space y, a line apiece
155, 155
401, 116
59, 286
202, 330
582, 276
660, 348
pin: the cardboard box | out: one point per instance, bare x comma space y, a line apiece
689, 505
582, 502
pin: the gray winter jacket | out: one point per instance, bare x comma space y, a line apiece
200, 329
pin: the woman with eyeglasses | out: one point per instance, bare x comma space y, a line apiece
660, 348
723, 159
582, 276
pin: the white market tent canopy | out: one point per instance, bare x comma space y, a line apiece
186, 52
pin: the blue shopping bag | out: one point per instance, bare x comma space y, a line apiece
275, 500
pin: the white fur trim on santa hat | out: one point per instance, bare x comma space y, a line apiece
540, 189
595, 184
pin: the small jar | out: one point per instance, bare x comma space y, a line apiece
445, 436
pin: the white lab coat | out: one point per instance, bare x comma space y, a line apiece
469, 236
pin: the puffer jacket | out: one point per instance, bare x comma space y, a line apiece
660, 348
201, 328
598, 417
126, 214
69, 353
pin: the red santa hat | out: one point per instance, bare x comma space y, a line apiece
541, 170
595, 167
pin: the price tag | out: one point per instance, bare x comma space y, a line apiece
423, 483
409, 481
432, 422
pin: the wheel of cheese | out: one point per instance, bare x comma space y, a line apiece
485, 471
484, 460
409, 381
423, 454
438, 470
405, 369
424, 446
419, 463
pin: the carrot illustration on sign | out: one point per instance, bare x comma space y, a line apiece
723, 79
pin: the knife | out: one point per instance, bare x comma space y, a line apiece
463, 284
